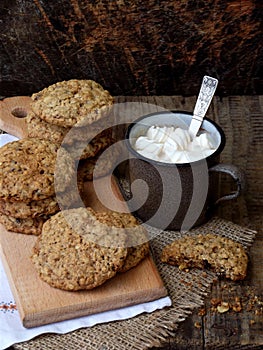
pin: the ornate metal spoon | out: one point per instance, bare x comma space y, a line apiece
204, 99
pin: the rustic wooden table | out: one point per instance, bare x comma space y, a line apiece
241, 325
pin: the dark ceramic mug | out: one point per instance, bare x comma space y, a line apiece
176, 196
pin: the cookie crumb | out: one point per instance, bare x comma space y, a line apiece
223, 307
197, 325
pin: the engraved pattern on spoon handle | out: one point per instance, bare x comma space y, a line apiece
205, 96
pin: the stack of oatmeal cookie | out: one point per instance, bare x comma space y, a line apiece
27, 188
74, 113
67, 104
68, 130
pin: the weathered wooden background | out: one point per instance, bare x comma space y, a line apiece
131, 47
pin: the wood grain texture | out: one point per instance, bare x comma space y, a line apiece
13, 110
131, 47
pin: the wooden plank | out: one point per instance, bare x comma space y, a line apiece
241, 323
130, 46
39, 304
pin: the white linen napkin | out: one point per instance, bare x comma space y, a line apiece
12, 330
5, 138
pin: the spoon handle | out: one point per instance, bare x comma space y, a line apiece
204, 99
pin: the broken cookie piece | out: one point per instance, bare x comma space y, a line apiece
220, 254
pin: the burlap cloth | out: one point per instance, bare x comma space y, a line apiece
241, 119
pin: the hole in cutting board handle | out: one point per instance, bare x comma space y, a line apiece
19, 112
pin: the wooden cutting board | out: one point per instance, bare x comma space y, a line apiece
13, 110
37, 302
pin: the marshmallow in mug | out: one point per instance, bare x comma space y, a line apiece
171, 144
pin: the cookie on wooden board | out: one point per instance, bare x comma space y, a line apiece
76, 251
92, 134
136, 251
19, 209
221, 254
27, 170
38, 128
28, 226
83, 150
73, 101
101, 165
135, 256
137, 237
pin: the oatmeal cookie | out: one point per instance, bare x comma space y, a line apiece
27, 170
83, 150
73, 101
38, 128
32, 209
64, 170
135, 256
100, 165
137, 237
72, 196
114, 218
28, 226
68, 254
222, 255
88, 132
138, 248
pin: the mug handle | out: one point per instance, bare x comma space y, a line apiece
237, 175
